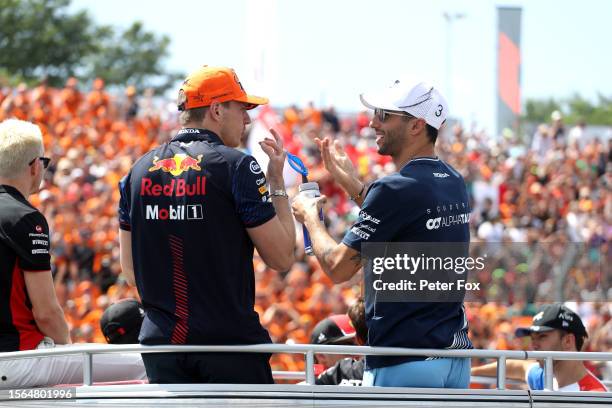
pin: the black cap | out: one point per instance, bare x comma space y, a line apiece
333, 330
121, 321
554, 317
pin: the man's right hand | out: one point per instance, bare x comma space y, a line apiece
339, 165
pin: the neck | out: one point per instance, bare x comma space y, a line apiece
568, 372
21, 185
207, 125
426, 150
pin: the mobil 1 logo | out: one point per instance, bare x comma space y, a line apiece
174, 212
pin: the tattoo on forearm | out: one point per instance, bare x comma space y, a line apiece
357, 259
326, 255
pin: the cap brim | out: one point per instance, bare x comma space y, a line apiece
253, 101
379, 100
526, 331
342, 339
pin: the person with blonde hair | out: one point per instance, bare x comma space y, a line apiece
30, 314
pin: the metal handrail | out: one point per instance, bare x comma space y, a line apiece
88, 350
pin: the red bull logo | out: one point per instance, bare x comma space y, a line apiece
176, 165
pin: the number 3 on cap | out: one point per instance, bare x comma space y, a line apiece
439, 111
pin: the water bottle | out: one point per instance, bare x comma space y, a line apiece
311, 190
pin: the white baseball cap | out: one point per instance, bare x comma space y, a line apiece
419, 99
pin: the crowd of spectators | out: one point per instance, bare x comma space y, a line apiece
537, 194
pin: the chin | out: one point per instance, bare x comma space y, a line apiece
382, 150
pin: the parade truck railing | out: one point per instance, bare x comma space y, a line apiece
306, 393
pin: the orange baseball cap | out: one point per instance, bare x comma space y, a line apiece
214, 84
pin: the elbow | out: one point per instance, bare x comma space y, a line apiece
286, 263
45, 316
338, 274
337, 278
283, 262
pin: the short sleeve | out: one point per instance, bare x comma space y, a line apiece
30, 240
124, 204
250, 192
381, 217
535, 377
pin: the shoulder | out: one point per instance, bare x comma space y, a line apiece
534, 376
397, 187
22, 221
451, 169
15, 212
591, 383
396, 182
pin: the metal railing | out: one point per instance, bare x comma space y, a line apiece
309, 350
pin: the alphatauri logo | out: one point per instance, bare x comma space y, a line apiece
433, 223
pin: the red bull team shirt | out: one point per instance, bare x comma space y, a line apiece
188, 204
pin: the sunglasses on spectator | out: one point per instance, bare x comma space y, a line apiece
45, 161
383, 114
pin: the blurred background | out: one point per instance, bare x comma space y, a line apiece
530, 129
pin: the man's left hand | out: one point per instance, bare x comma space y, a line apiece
274, 149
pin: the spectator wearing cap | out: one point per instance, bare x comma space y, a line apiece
336, 330
191, 213
348, 370
554, 328
557, 128
400, 207
121, 322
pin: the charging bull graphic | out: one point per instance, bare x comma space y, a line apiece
176, 165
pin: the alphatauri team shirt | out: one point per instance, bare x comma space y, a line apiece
426, 201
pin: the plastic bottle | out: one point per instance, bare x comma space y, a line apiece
311, 190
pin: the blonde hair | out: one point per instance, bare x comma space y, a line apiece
20, 142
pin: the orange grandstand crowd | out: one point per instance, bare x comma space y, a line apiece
553, 188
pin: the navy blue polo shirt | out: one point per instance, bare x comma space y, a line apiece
412, 206
188, 204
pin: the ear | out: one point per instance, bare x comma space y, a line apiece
215, 111
569, 342
33, 168
417, 126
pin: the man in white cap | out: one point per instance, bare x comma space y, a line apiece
411, 205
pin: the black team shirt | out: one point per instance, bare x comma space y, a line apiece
24, 246
188, 204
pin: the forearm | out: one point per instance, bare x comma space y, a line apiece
356, 190
53, 324
486, 370
324, 248
515, 369
128, 274
283, 211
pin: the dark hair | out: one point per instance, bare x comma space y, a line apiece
356, 313
578, 339
432, 132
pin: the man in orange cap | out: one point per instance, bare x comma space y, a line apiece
191, 213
